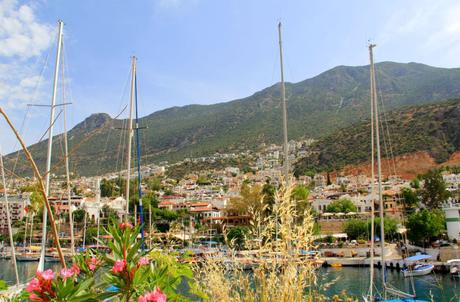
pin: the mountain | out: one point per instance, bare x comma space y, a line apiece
317, 107
432, 131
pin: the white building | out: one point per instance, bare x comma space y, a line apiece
452, 181
452, 211
16, 206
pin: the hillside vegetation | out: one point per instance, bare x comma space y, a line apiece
317, 107
432, 128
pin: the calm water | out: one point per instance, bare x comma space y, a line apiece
354, 280
26, 270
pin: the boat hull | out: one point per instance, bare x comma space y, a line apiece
420, 271
27, 258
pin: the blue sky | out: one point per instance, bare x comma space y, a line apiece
200, 51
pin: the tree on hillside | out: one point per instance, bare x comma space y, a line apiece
237, 236
109, 188
409, 198
390, 225
268, 192
415, 183
78, 215
154, 184
203, 180
343, 205
356, 229
251, 199
434, 191
300, 195
425, 225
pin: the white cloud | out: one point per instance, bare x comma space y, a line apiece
21, 35
173, 5
23, 41
428, 29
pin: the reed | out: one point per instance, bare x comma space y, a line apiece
277, 236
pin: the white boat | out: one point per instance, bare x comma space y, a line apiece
420, 269
454, 267
415, 268
27, 257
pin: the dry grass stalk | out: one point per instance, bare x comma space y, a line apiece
280, 275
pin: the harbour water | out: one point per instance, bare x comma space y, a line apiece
355, 280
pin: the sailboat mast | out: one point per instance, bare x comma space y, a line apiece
67, 173
138, 155
8, 219
130, 136
283, 100
41, 264
379, 170
371, 280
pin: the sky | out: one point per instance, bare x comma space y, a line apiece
198, 51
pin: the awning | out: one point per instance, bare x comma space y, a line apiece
417, 257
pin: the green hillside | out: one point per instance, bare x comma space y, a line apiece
317, 107
433, 128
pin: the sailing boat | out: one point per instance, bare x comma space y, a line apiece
387, 290
41, 263
29, 252
8, 218
134, 107
138, 154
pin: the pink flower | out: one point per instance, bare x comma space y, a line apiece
142, 299
158, 296
118, 266
34, 297
144, 261
126, 225
92, 263
46, 275
33, 285
155, 296
75, 269
67, 273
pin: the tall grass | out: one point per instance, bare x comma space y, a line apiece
280, 275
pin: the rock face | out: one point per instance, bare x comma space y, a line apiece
419, 138
95, 120
406, 166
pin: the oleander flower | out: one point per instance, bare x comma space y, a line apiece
125, 225
75, 269
34, 297
118, 266
67, 273
155, 296
144, 261
33, 285
46, 275
92, 263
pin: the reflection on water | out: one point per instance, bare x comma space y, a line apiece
354, 280
26, 270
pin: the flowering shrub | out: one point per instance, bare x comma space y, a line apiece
124, 274
50, 286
